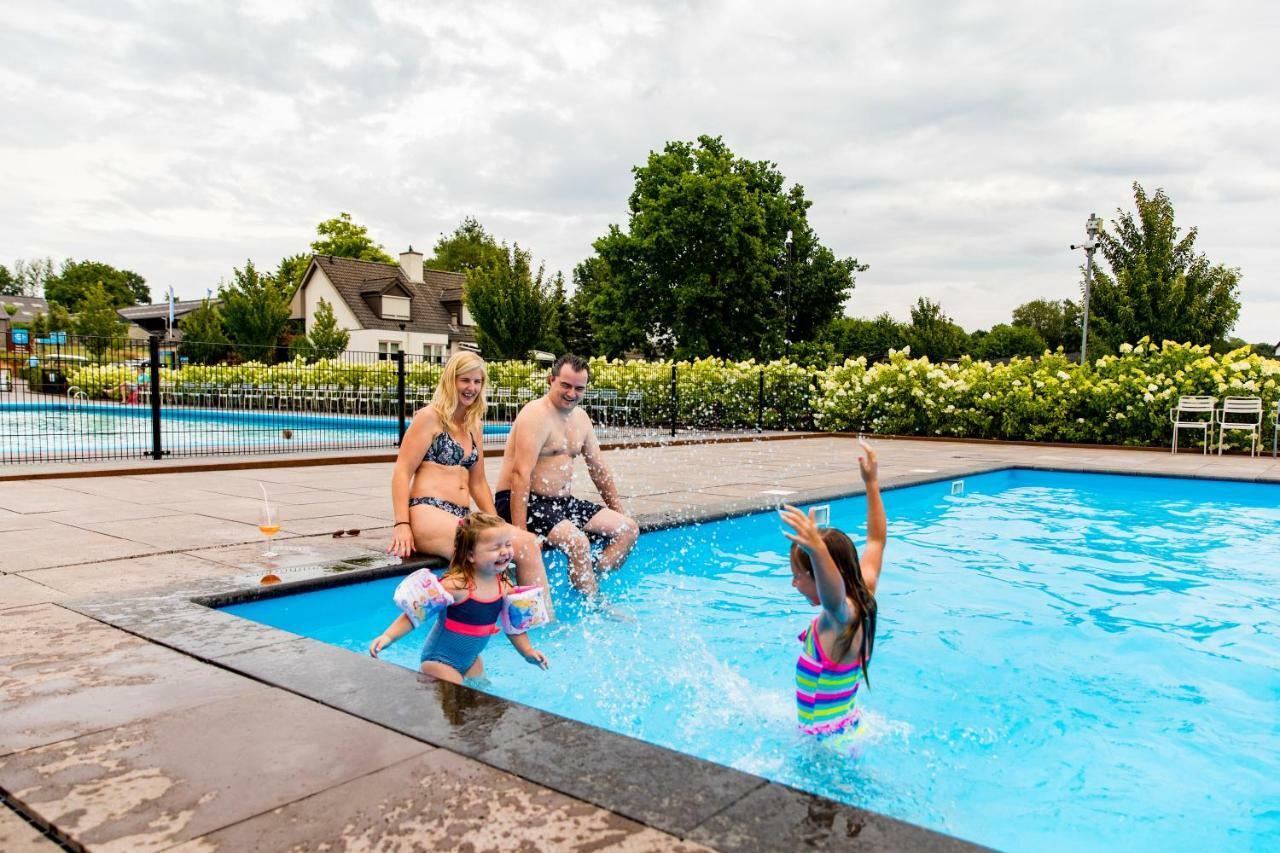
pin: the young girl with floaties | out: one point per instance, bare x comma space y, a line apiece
827, 571
471, 595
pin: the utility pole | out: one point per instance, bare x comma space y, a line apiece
1092, 228
786, 326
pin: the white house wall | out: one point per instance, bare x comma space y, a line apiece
319, 287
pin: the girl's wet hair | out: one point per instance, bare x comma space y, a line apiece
464, 541
845, 556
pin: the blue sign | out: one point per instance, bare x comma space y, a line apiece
57, 337
21, 337
33, 361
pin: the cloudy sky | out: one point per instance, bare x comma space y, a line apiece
956, 147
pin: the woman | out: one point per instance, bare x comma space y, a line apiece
440, 471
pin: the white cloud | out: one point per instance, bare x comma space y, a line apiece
957, 148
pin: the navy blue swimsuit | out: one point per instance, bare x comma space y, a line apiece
463, 630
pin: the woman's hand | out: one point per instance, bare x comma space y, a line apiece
868, 463
379, 643
537, 658
806, 535
401, 540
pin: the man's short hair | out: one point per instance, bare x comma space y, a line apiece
576, 362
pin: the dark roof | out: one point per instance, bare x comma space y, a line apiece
28, 307
181, 308
352, 279
453, 293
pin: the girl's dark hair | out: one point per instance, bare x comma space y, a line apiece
464, 541
845, 556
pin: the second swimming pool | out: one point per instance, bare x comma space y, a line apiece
1062, 659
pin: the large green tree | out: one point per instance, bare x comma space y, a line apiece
70, 287
204, 341
27, 278
255, 310
343, 238
872, 339
510, 303
1005, 341
703, 267
98, 324
9, 285
1159, 285
290, 271
1056, 321
469, 247
324, 338
932, 332
600, 323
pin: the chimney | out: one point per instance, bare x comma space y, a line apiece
411, 263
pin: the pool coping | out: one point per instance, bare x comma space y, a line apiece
691, 798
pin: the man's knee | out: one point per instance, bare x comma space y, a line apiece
628, 530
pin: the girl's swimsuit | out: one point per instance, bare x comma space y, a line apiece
462, 632
826, 692
445, 450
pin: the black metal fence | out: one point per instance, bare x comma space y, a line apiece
68, 398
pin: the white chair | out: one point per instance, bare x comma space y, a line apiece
1275, 432
632, 403
1241, 413
607, 403
502, 400
1190, 413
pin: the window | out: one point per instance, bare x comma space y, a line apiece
395, 308
434, 353
386, 348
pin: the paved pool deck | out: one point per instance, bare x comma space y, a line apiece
121, 743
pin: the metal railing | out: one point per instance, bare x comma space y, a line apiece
70, 398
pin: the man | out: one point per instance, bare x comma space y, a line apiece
549, 433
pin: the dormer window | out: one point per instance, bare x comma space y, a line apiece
395, 307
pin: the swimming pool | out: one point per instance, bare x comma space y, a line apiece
1063, 659
44, 431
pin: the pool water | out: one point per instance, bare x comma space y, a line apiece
1062, 659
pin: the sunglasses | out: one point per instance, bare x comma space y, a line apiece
338, 534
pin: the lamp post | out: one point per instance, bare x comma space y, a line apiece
786, 321
1092, 227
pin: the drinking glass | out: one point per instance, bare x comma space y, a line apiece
268, 526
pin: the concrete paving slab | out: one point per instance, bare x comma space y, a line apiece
62, 674
183, 531
298, 551
61, 545
29, 497
109, 511
371, 526
438, 801
17, 591
156, 782
123, 575
18, 836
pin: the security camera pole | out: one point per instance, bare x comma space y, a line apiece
1092, 227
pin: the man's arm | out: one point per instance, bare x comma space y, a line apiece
525, 441
598, 469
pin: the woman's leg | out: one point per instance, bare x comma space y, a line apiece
530, 569
433, 530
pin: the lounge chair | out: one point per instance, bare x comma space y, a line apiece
1190, 413
1241, 413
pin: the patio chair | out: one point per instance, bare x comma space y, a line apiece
607, 403
1190, 414
1275, 431
1241, 413
633, 402
502, 400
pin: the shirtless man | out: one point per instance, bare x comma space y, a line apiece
537, 470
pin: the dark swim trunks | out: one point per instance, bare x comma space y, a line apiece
545, 512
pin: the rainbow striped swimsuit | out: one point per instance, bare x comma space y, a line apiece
826, 692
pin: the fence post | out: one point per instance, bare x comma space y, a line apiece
154, 344
400, 400
760, 404
675, 400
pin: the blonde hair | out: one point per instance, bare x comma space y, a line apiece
445, 398
464, 541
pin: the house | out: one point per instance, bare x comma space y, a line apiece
147, 320
25, 309
388, 308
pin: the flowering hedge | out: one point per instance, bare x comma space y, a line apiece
1120, 399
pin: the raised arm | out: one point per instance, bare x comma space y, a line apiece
598, 470
877, 526
831, 592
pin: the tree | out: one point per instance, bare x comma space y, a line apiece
600, 323
932, 333
70, 287
1158, 285
290, 272
1005, 341
59, 319
98, 324
255, 310
469, 247
343, 238
1057, 321
27, 277
203, 339
511, 305
325, 339
702, 268
852, 337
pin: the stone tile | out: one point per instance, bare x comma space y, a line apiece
759, 820
138, 573
62, 674
39, 496
297, 551
60, 545
201, 632
664, 789
438, 801
152, 783
18, 836
11, 521
375, 527
108, 513
182, 531
17, 591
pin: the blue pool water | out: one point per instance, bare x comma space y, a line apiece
43, 430
1063, 660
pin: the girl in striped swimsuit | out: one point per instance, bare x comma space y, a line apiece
827, 571
482, 554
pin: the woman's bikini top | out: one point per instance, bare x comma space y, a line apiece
444, 450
